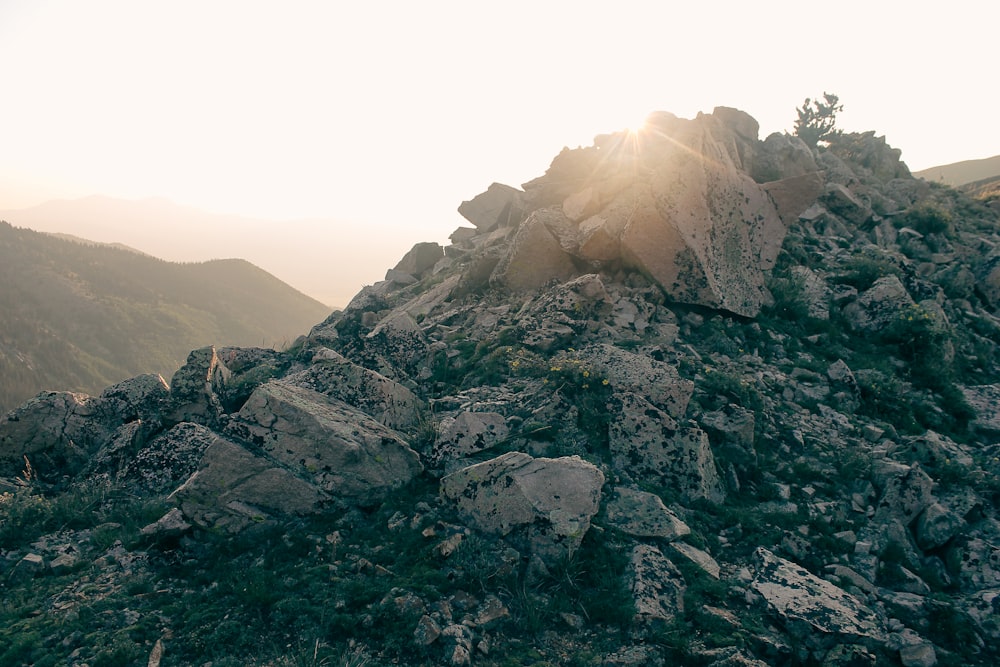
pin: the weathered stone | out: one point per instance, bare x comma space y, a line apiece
420, 258
554, 499
383, 399
643, 514
733, 424
468, 433
195, 389
56, 431
936, 525
650, 445
983, 608
691, 232
427, 631
657, 585
167, 460
918, 655
879, 305
582, 204
342, 450
138, 398
399, 339
985, 401
232, 489
841, 201
905, 497
792, 196
535, 257
171, 524
500, 205
702, 559
807, 604
627, 372
781, 156
979, 564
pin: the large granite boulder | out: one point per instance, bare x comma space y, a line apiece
550, 501
337, 447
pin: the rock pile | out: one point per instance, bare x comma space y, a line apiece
688, 383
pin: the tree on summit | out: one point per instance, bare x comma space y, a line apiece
817, 120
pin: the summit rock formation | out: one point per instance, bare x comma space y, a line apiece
689, 397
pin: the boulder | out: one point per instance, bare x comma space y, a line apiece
552, 500
163, 463
905, 496
196, 387
808, 605
399, 339
841, 201
936, 525
233, 489
702, 559
657, 586
535, 256
628, 372
385, 400
792, 196
649, 445
711, 231
500, 205
781, 156
56, 431
878, 306
673, 201
985, 401
421, 258
338, 448
138, 398
643, 514
466, 434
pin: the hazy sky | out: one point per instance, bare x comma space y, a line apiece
386, 115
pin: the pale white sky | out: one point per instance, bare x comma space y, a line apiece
386, 115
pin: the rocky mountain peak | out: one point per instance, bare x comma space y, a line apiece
690, 396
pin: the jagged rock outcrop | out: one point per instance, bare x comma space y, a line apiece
673, 201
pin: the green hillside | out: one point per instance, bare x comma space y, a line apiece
78, 317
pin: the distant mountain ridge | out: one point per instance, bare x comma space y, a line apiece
78, 317
325, 258
961, 173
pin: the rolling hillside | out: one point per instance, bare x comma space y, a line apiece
77, 317
960, 173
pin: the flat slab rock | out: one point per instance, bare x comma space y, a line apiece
808, 604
